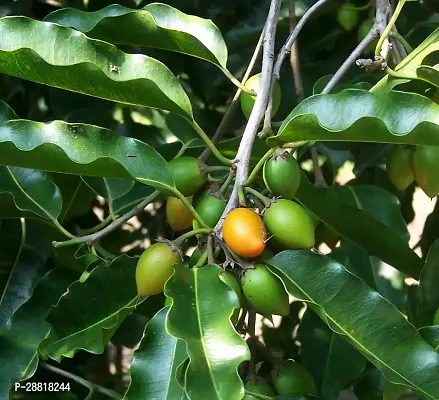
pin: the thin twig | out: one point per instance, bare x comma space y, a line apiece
89, 239
248, 137
318, 174
350, 61
89, 385
235, 101
294, 55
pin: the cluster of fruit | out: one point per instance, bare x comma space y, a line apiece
404, 165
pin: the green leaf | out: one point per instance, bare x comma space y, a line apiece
428, 280
370, 323
19, 342
32, 191
79, 149
376, 237
23, 257
155, 363
412, 65
137, 194
360, 116
64, 58
332, 361
431, 335
91, 311
156, 25
214, 347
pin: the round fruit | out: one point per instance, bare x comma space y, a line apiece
326, 234
436, 318
290, 224
258, 386
264, 291
188, 175
282, 175
347, 16
210, 209
247, 100
393, 392
155, 267
178, 215
363, 30
425, 168
399, 167
293, 377
244, 232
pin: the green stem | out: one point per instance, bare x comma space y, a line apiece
404, 42
215, 168
265, 200
241, 196
184, 148
63, 230
202, 260
99, 226
89, 385
223, 189
210, 255
191, 208
399, 75
188, 235
106, 254
210, 144
389, 27
236, 82
259, 165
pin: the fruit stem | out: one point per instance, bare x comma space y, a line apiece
236, 82
63, 230
210, 144
215, 168
404, 42
184, 148
210, 255
241, 196
190, 207
188, 235
259, 165
201, 261
265, 200
223, 189
389, 27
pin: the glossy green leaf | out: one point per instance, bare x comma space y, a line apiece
20, 340
65, 58
412, 65
137, 194
378, 238
23, 257
214, 347
332, 361
155, 25
428, 284
370, 323
83, 317
32, 191
360, 116
431, 335
155, 363
79, 149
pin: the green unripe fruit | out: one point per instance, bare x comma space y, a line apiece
155, 267
347, 16
436, 318
188, 175
230, 279
290, 225
399, 167
425, 168
248, 101
210, 209
264, 291
293, 377
258, 386
363, 30
282, 175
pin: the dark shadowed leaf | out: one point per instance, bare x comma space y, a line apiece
431, 335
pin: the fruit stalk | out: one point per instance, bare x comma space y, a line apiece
248, 137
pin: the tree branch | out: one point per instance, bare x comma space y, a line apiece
248, 137
235, 101
294, 55
89, 239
